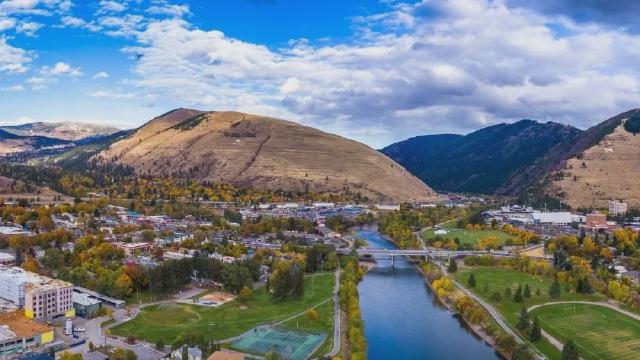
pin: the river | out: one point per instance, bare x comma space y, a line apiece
404, 319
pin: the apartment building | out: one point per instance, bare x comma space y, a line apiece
42, 298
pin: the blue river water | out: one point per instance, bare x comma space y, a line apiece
403, 318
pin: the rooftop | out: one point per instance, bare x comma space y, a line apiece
21, 326
34, 280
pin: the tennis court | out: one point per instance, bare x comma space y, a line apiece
288, 344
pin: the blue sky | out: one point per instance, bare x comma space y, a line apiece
374, 71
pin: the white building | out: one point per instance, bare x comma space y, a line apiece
7, 259
556, 218
617, 207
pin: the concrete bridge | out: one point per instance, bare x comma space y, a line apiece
426, 253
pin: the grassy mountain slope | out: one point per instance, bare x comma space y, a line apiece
261, 152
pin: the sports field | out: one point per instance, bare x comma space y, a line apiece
166, 321
294, 345
600, 333
497, 279
471, 237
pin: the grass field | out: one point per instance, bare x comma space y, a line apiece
599, 332
167, 321
498, 279
467, 236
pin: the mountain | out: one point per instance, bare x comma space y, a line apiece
500, 159
262, 152
11, 144
603, 165
63, 130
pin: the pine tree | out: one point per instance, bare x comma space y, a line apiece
518, 295
507, 293
535, 333
523, 320
453, 266
569, 351
554, 290
537, 291
527, 291
472, 281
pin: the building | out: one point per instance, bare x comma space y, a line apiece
559, 218
596, 221
42, 298
226, 355
85, 305
193, 353
617, 208
7, 259
18, 333
133, 249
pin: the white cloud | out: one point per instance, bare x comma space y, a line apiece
29, 28
72, 21
169, 10
109, 7
13, 88
474, 64
7, 23
60, 68
12, 59
101, 75
112, 94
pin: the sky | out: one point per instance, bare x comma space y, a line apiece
376, 71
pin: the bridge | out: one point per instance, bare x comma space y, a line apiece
426, 253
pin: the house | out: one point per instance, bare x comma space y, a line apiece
132, 249
7, 259
86, 306
617, 207
193, 353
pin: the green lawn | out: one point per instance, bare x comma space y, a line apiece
324, 324
467, 236
599, 332
498, 279
167, 321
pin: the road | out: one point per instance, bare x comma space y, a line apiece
336, 318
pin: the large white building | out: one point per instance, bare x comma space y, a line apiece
617, 207
41, 297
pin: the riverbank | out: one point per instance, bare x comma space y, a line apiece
402, 313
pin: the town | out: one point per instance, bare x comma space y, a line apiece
78, 278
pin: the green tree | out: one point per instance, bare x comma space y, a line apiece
472, 281
554, 290
569, 351
522, 352
517, 297
245, 295
453, 266
535, 333
160, 344
495, 297
523, 320
527, 291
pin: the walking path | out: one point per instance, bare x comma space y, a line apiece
336, 318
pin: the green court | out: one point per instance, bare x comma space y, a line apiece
288, 344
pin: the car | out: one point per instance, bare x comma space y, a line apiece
79, 329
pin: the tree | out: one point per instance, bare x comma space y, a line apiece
569, 351
535, 333
523, 320
31, 264
537, 291
245, 295
522, 353
91, 346
507, 293
472, 281
160, 344
517, 297
584, 287
312, 314
453, 266
66, 355
527, 291
495, 297
554, 290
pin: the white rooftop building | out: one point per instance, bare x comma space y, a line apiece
556, 218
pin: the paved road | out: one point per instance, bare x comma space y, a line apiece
336, 318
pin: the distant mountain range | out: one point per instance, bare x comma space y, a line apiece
528, 159
16, 144
261, 152
72, 131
